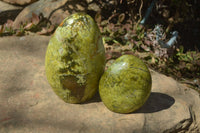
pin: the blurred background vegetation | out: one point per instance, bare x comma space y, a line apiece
123, 31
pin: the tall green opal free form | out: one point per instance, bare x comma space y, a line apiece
75, 59
125, 85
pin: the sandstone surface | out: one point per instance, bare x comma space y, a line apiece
54, 10
28, 104
20, 2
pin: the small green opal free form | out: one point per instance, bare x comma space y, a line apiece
75, 58
125, 85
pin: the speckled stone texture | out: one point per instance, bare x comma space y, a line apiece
75, 59
125, 85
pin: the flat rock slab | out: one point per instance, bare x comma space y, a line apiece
28, 104
20, 2
54, 10
7, 7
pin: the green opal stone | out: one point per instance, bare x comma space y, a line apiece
75, 58
125, 85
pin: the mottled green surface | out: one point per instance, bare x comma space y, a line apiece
75, 59
126, 85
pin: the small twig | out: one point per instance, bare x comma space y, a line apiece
140, 10
112, 16
131, 1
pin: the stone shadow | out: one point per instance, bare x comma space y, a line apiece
11, 14
156, 102
94, 99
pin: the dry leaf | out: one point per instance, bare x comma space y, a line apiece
44, 31
121, 17
28, 26
153, 60
98, 17
9, 23
35, 19
51, 28
108, 55
145, 48
1, 28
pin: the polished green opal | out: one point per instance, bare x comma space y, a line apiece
125, 85
75, 58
